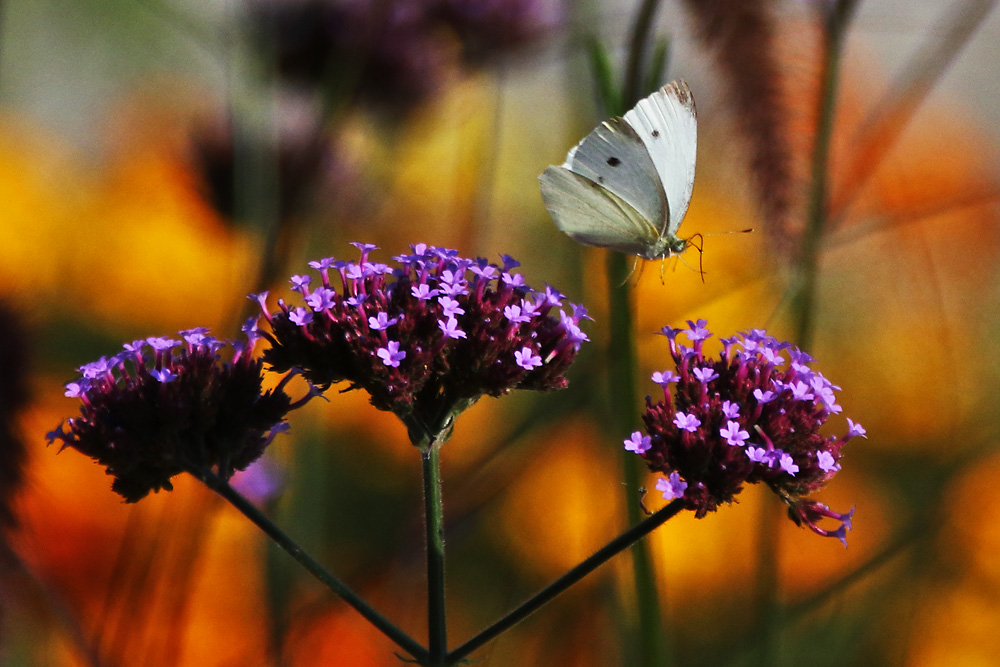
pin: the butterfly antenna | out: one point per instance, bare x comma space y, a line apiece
731, 231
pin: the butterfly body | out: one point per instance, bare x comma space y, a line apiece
626, 186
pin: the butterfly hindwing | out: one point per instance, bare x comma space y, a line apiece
590, 214
667, 124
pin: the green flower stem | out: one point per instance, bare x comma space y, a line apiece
624, 406
652, 644
605, 553
387, 628
434, 521
255, 169
766, 585
641, 29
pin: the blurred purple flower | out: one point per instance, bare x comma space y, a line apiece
301, 153
262, 481
393, 54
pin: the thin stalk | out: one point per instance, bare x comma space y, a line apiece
434, 520
641, 29
387, 628
624, 406
767, 585
256, 172
833, 39
891, 115
652, 645
602, 555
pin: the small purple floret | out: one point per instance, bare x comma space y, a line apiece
423, 292
665, 378
163, 375
686, 422
705, 375
734, 435
673, 487
450, 328
450, 306
527, 359
763, 396
391, 355
300, 316
381, 322
638, 443
826, 462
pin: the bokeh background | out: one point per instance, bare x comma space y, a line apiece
160, 159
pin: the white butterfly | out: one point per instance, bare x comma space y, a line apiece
628, 184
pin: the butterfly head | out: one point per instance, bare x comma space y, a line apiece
666, 246
673, 246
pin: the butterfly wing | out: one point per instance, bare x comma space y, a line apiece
614, 157
590, 214
667, 124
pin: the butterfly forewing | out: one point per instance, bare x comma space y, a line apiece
614, 157
667, 124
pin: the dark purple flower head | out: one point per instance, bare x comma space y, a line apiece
752, 415
390, 55
428, 337
165, 406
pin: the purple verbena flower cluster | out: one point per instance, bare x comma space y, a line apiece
164, 406
427, 337
749, 416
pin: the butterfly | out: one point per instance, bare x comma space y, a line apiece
628, 184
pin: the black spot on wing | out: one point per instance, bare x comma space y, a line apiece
614, 162
656, 134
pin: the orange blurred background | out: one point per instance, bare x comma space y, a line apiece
108, 232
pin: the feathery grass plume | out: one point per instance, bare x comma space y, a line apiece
742, 37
